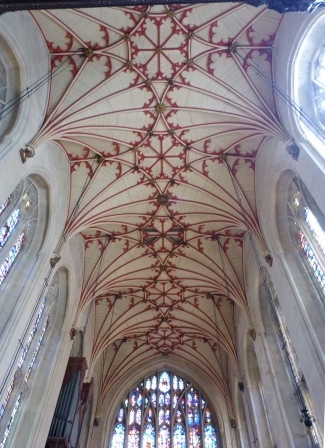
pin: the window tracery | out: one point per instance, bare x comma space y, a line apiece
29, 353
319, 84
308, 105
289, 355
4, 205
164, 411
307, 224
18, 217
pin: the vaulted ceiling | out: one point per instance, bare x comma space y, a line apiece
161, 112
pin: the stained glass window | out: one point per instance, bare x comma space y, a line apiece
10, 423
289, 354
4, 205
24, 353
8, 227
8, 262
308, 227
30, 351
18, 215
164, 411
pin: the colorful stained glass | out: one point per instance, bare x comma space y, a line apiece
4, 205
179, 437
308, 229
164, 382
24, 354
154, 399
149, 437
32, 334
11, 420
312, 260
120, 417
210, 437
179, 416
39, 343
118, 436
315, 228
8, 395
208, 416
195, 437
134, 437
146, 418
154, 383
150, 415
164, 437
131, 416
8, 227
161, 416
14, 251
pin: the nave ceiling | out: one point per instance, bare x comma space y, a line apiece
161, 112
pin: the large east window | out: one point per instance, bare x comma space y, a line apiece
164, 411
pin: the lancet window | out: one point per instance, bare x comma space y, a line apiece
18, 218
30, 347
291, 361
164, 411
307, 225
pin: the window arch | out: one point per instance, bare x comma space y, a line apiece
307, 225
274, 323
18, 218
164, 411
309, 83
48, 315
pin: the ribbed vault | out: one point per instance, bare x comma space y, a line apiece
161, 112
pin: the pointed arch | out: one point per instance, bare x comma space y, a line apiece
23, 226
34, 363
164, 410
307, 230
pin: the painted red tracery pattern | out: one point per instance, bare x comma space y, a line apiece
162, 112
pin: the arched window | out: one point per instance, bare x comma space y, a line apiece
318, 77
254, 398
33, 340
9, 88
164, 410
309, 83
307, 228
290, 359
18, 218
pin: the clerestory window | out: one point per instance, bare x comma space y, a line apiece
164, 411
307, 225
29, 353
308, 87
290, 358
18, 217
